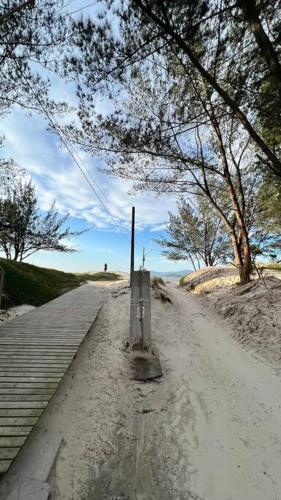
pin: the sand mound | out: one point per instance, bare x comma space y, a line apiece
251, 310
210, 277
15, 311
254, 314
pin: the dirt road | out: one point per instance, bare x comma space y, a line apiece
210, 430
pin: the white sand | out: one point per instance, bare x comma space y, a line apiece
209, 430
15, 311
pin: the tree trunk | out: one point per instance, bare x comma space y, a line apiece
245, 272
192, 261
242, 258
246, 268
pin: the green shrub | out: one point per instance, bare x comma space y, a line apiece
33, 285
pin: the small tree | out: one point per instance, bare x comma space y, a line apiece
196, 234
25, 231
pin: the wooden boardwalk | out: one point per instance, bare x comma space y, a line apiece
35, 352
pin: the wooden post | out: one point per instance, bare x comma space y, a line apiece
140, 313
132, 245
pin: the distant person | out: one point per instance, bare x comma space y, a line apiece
105, 267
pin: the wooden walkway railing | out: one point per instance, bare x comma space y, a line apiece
35, 352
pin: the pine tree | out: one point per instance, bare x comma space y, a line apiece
25, 231
196, 233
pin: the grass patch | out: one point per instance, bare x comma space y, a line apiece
183, 279
274, 267
33, 285
99, 276
203, 280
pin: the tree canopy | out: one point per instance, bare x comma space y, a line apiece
25, 230
192, 92
176, 39
32, 36
180, 118
196, 233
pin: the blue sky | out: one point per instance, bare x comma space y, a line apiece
56, 176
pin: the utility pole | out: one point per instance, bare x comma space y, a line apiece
143, 256
132, 245
146, 366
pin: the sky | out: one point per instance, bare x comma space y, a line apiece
57, 177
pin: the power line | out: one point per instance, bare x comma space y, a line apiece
77, 10
64, 6
55, 124
83, 8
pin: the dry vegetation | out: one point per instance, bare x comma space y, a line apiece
251, 310
209, 278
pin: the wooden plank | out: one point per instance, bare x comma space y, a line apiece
35, 352
43, 336
22, 404
34, 355
28, 385
30, 369
16, 430
16, 421
8, 453
41, 350
48, 331
52, 367
25, 330
11, 441
26, 349
61, 364
62, 345
34, 340
27, 372
20, 412
25, 398
55, 345
26, 379
35, 330
37, 355
5, 465
36, 358
25, 390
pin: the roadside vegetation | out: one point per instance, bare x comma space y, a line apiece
28, 284
23, 229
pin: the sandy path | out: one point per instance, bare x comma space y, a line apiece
214, 429
225, 412
209, 430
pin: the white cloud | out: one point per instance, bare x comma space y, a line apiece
56, 176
